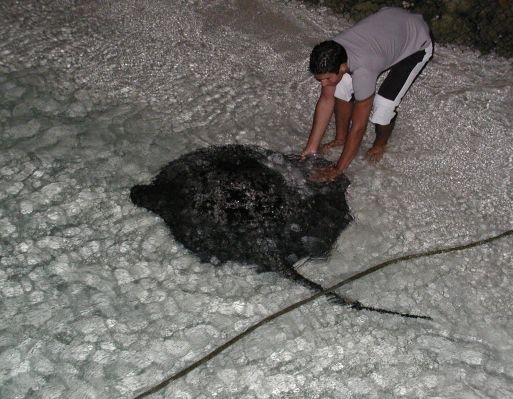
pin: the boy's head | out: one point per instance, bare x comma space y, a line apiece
326, 57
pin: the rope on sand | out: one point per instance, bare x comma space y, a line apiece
298, 304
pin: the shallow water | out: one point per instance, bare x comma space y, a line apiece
101, 302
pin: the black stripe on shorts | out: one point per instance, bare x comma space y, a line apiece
398, 75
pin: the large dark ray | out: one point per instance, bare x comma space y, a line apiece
247, 204
250, 205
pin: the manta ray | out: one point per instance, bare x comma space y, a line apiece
250, 205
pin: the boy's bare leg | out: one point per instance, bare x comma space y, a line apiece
343, 113
383, 133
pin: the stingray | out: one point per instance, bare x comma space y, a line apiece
250, 205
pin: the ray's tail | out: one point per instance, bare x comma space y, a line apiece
356, 305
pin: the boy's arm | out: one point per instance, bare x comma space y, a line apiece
322, 115
361, 113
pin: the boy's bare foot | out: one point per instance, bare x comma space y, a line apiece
375, 153
326, 148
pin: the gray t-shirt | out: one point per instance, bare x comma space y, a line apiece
379, 41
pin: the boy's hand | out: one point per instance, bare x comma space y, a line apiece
307, 153
322, 175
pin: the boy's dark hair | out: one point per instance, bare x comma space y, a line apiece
326, 57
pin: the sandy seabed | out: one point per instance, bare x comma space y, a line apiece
99, 301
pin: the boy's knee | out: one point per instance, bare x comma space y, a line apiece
344, 89
383, 110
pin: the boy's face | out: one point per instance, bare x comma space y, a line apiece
331, 78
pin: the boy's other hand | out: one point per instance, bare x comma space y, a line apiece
323, 175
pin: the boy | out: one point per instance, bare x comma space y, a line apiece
347, 68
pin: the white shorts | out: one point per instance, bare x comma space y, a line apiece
394, 87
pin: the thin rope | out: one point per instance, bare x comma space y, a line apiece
313, 297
